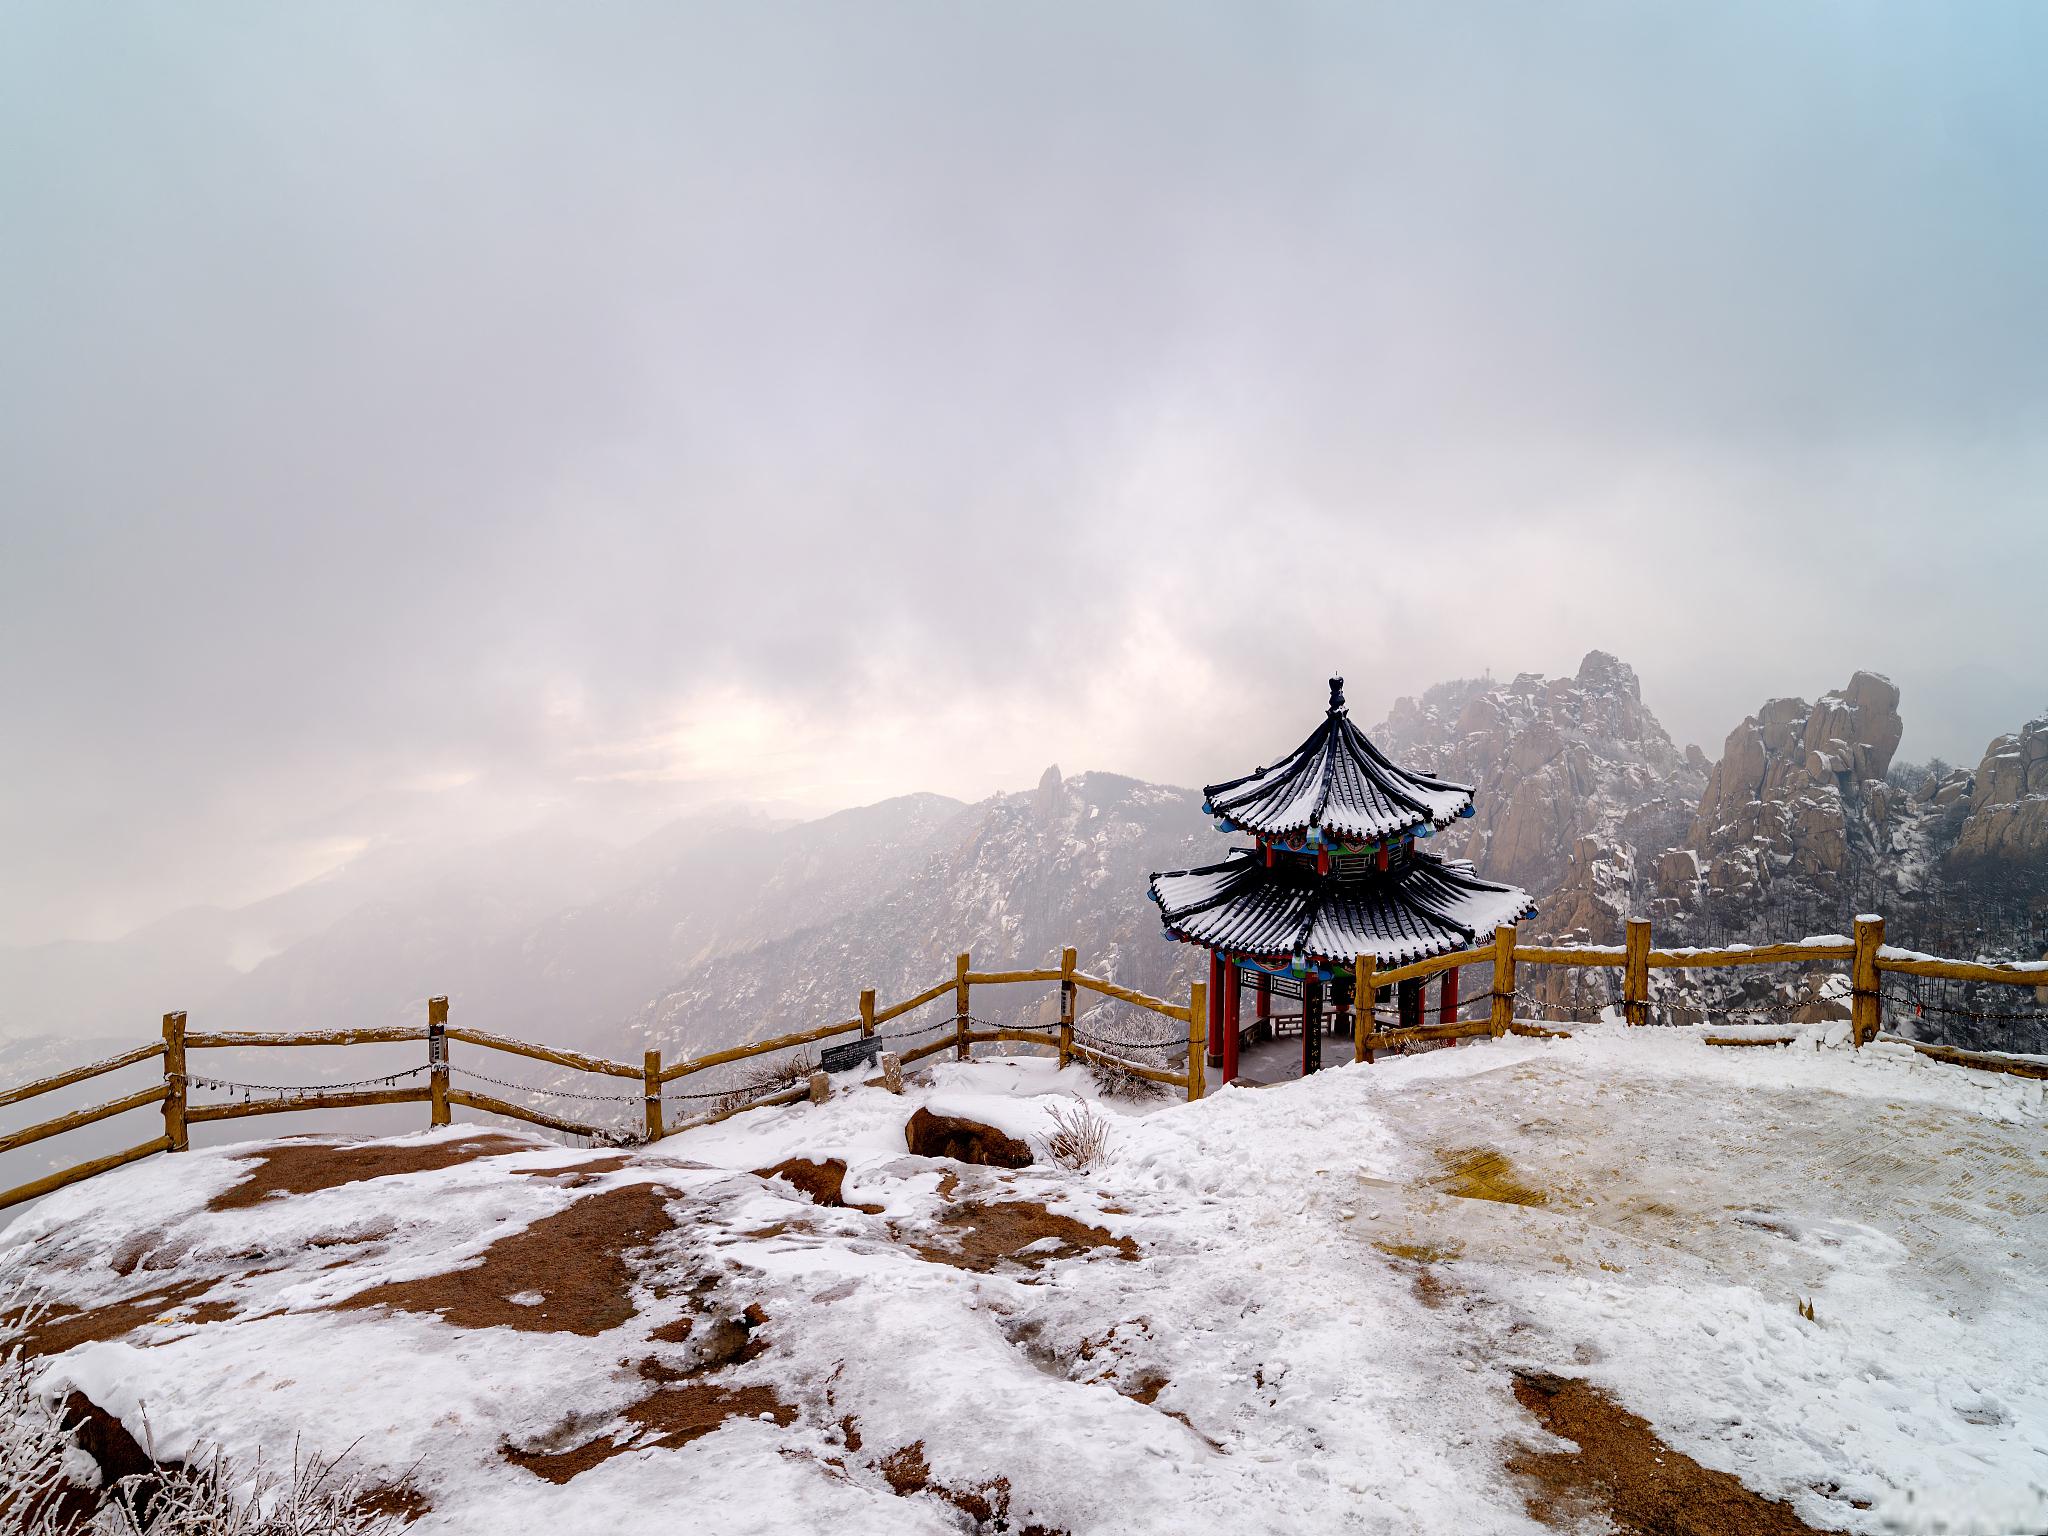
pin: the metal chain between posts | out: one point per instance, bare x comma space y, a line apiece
551, 1093
1923, 1005
291, 1090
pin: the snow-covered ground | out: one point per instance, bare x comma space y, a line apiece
1328, 1286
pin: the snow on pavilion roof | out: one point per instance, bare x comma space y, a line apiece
1339, 784
1244, 906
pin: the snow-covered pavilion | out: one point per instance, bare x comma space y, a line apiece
1334, 873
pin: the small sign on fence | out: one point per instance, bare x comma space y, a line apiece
843, 1058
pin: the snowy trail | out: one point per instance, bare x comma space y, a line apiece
1332, 1284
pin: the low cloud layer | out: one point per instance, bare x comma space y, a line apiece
422, 422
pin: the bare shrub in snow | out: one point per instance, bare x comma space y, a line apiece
210, 1498
769, 1077
35, 1441
1116, 1081
40, 1462
1080, 1137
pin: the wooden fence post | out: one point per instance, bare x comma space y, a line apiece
1635, 972
867, 1012
437, 1060
960, 1007
1067, 989
1866, 1004
1503, 979
1364, 1017
1198, 1030
174, 1082
650, 1074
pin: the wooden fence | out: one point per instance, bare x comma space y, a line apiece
651, 1076
1866, 955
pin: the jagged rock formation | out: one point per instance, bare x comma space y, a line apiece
1572, 772
2008, 798
1785, 800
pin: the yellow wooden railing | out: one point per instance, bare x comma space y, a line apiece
1866, 956
651, 1075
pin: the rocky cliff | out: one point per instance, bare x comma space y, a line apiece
2008, 799
1571, 773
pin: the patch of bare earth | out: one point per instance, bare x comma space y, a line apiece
581, 1173
987, 1504
978, 1236
575, 1261
1621, 1471
394, 1501
302, 1167
823, 1183
56, 1329
664, 1420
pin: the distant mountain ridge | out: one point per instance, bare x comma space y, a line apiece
732, 926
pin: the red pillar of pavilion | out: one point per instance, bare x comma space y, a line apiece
1447, 1010
1214, 1023
1262, 1007
1231, 980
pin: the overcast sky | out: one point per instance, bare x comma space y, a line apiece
419, 419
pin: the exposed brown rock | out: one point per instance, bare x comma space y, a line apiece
1622, 1471
822, 1182
964, 1141
576, 1260
979, 1237
394, 1501
665, 1420
56, 1329
301, 1167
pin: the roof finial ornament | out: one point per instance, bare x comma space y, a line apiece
1336, 694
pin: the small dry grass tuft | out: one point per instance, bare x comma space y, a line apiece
769, 1077
1080, 1137
1116, 1081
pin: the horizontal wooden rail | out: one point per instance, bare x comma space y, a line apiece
71, 1122
1751, 954
35, 1189
1613, 955
1140, 999
784, 1096
547, 1053
1537, 1031
2035, 975
1465, 1029
1416, 969
79, 1074
996, 978
1778, 1039
759, 1048
1016, 1036
929, 1048
1152, 1074
491, 1106
238, 1039
364, 1099
929, 994
1983, 1061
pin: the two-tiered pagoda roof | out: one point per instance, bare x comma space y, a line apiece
1335, 873
1341, 787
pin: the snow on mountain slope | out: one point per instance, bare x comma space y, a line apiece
1012, 881
1290, 1309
